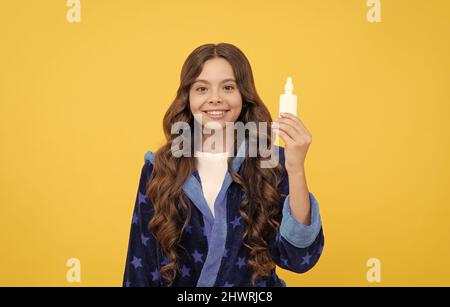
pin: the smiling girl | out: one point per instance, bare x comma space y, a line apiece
216, 217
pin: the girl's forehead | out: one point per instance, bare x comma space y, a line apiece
216, 68
213, 80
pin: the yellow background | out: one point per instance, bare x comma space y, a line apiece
80, 103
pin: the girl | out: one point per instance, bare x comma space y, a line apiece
216, 217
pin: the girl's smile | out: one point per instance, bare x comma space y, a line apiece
216, 114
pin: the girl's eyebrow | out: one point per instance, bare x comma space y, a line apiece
206, 81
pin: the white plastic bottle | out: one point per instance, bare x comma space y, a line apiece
288, 104
288, 101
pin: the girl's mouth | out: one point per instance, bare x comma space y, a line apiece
216, 114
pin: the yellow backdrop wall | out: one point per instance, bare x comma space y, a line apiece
81, 102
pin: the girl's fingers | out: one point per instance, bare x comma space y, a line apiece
289, 131
284, 136
296, 119
289, 121
293, 132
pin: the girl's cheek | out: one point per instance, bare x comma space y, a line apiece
235, 99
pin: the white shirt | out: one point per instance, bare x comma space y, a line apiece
211, 168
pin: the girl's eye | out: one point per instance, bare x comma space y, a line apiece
200, 89
229, 87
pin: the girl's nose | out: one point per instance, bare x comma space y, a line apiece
214, 99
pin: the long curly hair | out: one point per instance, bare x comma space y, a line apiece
259, 209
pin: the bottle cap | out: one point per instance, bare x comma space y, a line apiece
289, 87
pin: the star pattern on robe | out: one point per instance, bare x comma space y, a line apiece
142, 198
241, 262
306, 258
197, 256
137, 272
136, 262
165, 261
155, 275
185, 271
144, 239
236, 222
135, 218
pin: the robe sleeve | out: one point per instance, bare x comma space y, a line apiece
141, 268
297, 247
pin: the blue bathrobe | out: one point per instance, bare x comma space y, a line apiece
214, 254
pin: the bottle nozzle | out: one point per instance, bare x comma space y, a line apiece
289, 87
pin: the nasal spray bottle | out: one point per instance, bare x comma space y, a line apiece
288, 103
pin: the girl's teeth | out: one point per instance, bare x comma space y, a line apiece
215, 113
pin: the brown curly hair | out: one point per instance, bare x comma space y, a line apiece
259, 209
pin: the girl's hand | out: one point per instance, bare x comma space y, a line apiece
297, 140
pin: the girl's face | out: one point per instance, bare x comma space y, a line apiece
214, 93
